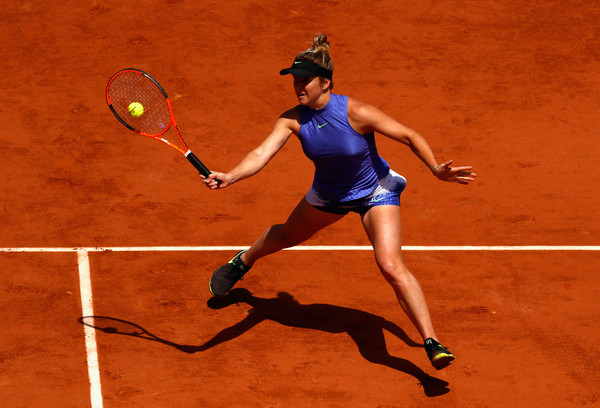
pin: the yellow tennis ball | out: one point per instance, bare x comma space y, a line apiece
135, 109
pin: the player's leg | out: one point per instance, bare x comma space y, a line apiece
382, 225
302, 224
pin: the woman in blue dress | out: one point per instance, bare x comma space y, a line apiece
337, 134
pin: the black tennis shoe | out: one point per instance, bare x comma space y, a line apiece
226, 276
439, 356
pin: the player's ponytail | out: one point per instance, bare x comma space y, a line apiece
318, 53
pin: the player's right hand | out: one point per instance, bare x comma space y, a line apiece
216, 180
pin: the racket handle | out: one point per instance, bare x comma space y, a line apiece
198, 164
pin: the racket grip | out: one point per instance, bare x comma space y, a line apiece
198, 164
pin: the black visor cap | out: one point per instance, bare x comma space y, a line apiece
305, 69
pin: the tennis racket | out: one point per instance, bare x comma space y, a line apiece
142, 105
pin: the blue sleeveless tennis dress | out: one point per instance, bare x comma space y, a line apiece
347, 165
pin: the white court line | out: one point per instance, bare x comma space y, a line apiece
85, 288
313, 248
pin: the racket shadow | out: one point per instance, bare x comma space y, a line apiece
112, 325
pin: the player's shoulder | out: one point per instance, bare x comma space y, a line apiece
291, 118
293, 113
360, 110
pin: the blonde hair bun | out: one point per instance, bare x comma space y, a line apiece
320, 44
318, 53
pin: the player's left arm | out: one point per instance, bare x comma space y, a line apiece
365, 118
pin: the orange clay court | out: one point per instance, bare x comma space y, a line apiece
510, 87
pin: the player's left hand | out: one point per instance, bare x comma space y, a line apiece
461, 175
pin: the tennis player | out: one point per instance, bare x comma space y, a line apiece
338, 134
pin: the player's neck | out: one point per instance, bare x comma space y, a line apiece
322, 101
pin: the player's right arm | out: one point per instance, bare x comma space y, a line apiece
286, 125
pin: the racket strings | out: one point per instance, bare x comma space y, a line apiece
181, 138
133, 86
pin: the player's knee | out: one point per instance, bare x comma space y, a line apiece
292, 237
394, 271
287, 238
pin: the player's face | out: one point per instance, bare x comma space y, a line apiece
309, 91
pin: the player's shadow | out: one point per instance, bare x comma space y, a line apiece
365, 329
